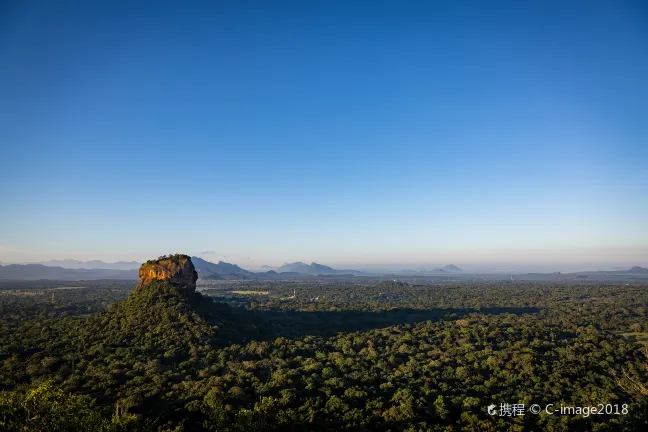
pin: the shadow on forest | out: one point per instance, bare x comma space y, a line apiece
291, 324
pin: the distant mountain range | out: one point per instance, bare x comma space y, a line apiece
210, 271
309, 269
312, 269
95, 264
40, 271
222, 270
87, 270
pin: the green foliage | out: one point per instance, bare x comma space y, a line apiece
47, 408
172, 257
360, 356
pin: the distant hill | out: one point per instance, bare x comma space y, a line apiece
267, 267
633, 274
637, 269
309, 269
313, 269
222, 270
94, 264
451, 268
40, 271
634, 270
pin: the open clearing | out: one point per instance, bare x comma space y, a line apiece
251, 292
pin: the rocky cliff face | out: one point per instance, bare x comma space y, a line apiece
178, 270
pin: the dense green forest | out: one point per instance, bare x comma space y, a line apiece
343, 354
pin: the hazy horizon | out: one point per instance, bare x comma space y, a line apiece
497, 135
466, 266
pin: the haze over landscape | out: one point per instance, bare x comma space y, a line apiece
507, 135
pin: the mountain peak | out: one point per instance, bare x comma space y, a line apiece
222, 270
309, 269
452, 268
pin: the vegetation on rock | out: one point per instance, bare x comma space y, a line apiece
176, 269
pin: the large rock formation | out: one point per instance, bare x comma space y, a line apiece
178, 270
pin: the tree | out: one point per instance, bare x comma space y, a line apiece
47, 408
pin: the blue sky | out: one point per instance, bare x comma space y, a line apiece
349, 133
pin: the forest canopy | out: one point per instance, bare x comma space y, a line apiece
370, 355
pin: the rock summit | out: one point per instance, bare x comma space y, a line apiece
178, 270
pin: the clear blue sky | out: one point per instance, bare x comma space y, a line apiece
341, 132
